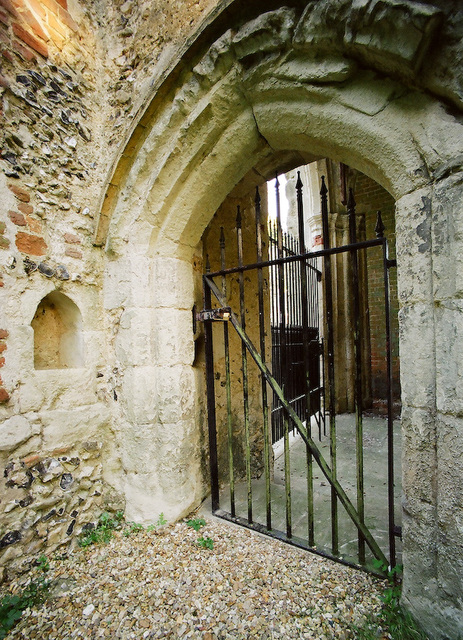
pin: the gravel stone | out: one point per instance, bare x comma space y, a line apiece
162, 584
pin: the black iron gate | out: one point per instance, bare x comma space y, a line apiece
294, 337
244, 487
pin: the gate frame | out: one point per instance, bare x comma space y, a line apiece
338, 493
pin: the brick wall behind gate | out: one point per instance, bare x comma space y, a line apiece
371, 197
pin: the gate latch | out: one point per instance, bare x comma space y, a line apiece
222, 314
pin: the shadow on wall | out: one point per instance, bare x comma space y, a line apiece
58, 340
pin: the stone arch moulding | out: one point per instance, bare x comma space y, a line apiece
58, 340
342, 80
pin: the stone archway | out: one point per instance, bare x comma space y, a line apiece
258, 91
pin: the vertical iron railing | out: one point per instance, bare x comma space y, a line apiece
358, 394
244, 364
328, 294
260, 286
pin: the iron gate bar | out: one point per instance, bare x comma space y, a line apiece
231, 474
260, 284
344, 499
330, 357
305, 347
211, 414
244, 361
358, 374
283, 361
390, 426
365, 244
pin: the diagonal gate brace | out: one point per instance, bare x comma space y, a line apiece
343, 498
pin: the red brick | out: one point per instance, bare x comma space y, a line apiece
30, 40
63, 3
52, 5
3, 346
71, 238
66, 19
57, 26
4, 395
37, 7
3, 334
31, 245
57, 38
26, 208
31, 460
4, 18
24, 52
8, 5
4, 82
19, 192
31, 20
72, 252
2, 362
34, 225
7, 55
17, 218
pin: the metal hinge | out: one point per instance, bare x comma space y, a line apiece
391, 263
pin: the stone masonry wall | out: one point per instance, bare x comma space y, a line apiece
171, 130
72, 75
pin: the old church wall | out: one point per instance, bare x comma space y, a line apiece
111, 206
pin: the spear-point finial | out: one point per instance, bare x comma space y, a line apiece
238, 217
324, 189
257, 197
222, 238
351, 200
299, 184
277, 183
379, 228
208, 264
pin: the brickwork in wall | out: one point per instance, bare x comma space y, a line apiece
371, 197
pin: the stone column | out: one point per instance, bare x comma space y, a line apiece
429, 250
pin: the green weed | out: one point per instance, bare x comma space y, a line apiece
205, 543
103, 532
12, 606
393, 619
196, 523
42, 563
132, 527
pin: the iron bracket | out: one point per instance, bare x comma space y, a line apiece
391, 263
222, 314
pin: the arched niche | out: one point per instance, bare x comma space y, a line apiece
58, 340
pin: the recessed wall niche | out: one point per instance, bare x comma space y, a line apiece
58, 340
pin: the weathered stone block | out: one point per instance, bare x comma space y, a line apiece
414, 246
14, 431
447, 237
172, 337
138, 395
269, 32
417, 354
66, 426
175, 393
176, 278
134, 338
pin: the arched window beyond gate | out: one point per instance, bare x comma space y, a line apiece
57, 325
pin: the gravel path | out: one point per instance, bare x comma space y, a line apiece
162, 584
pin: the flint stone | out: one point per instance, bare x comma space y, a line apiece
66, 481
10, 538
